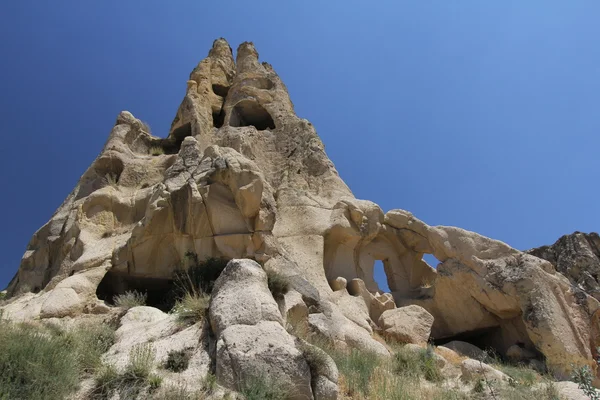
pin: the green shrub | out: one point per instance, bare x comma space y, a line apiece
261, 387
178, 360
520, 375
154, 382
417, 363
132, 380
278, 284
199, 276
584, 376
130, 299
209, 383
358, 368
192, 308
141, 359
3, 295
156, 151
91, 342
106, 381
35, 364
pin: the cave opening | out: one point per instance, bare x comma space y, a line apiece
250, 113
218, 118
220, 90
172, 144
159, 292
488, 339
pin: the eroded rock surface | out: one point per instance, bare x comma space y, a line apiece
240, 176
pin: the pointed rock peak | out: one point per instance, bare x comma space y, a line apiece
245, 50
221, 48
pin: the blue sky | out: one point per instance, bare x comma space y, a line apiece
472, 113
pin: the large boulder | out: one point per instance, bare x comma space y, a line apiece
251, 340
410, 324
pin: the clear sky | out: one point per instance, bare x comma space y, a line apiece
479, 114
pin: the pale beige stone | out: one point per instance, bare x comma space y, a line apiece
474, 369
410, 324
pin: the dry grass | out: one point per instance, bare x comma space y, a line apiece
156, 151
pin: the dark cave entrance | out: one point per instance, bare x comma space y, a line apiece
218, 118
159, 292
220, 90
250, 113
487, 339
172, 144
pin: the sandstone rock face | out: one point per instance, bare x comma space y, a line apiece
410, 324
240, 176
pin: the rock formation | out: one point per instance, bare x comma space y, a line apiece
240, 176
576, 256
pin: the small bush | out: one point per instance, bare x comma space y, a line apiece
520, 375
156, 151
417, 364
130, 382
154, 382
209, 383
278, 284
192, 308
91, 342
583, 377
358, 368
199, 276
111, 180
178, 360
106, 380
141, 359
3, 295
35, 364
261, 387
130, 299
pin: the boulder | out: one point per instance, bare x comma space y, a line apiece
467, 350
410, 324
518, 353
475, 369
251, 340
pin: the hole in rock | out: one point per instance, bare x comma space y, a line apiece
220, 90
218, 118
380, 276
109, 166
431, 260
158, 291
173, 143
247, 112
487, 339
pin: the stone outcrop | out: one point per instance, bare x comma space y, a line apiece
240, 176
576, 256
251, 339
410, 324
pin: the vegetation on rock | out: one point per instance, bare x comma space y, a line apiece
278, 284
46, 362
130, 299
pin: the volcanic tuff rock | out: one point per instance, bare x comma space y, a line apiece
241, 176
